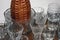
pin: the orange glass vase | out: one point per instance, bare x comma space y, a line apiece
20, 10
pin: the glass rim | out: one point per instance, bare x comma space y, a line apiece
39, 9
54, 6
17, 23
24, 36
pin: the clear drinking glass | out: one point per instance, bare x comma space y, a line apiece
53, 12
39, 16
52, 25
47, 34
15, 30
36, 29
24, 37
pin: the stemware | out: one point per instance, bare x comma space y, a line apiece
39, 16
36, 29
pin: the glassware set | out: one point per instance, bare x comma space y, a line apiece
37, 23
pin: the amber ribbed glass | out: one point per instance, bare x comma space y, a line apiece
20, 10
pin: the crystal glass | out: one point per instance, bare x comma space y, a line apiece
39, 16
15, 30
36, 29
24, 37
47, 34
53, 12
52, 25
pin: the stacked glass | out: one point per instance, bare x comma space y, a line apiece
53, 13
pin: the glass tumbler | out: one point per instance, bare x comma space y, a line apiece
15, 30
39, 16
47, 34
53, 12
36, 29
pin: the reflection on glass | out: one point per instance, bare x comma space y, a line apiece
32, 12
